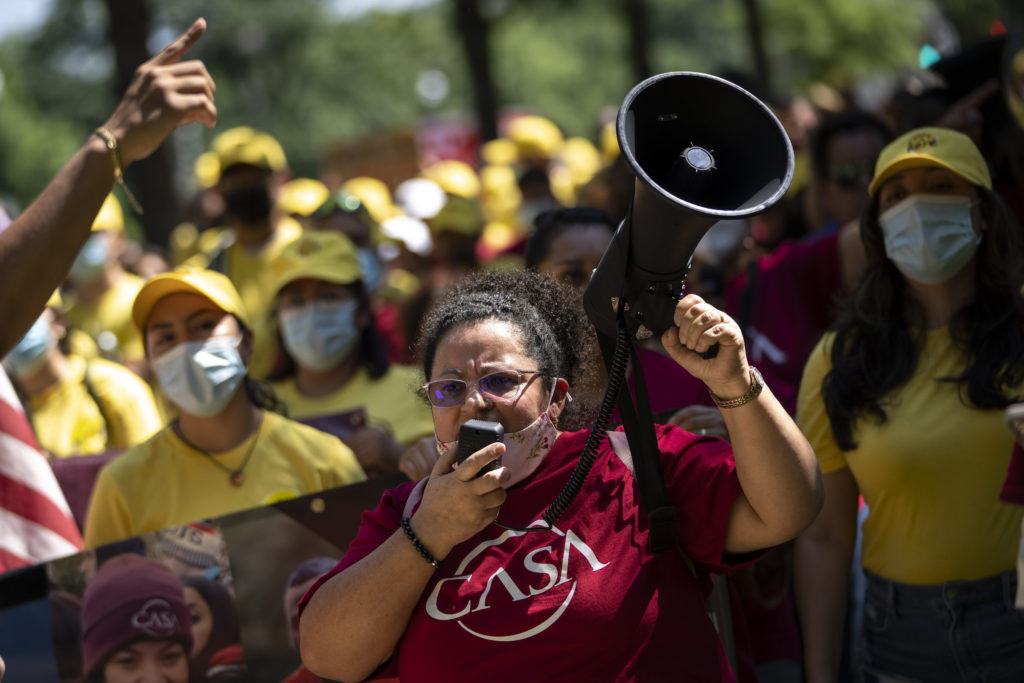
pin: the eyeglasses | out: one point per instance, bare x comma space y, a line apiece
505, 386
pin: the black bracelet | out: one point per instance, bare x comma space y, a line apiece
407, 527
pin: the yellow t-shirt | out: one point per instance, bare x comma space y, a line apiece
390, 402
931, 474
164, 482
67, 420
109, 320
249, 272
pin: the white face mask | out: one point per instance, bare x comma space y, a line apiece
91, 259
524, 449
319, 335
28, 354
201, 377
930, 237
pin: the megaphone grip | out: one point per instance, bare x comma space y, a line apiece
710, 353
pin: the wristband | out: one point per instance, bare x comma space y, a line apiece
407, 527
111, 142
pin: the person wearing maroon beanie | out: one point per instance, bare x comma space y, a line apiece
135, 624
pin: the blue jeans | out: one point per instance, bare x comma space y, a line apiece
958, 631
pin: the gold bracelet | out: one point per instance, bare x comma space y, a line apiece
111, 143
756, 384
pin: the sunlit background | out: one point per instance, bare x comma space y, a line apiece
387, 84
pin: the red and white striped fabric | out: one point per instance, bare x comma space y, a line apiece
35, 522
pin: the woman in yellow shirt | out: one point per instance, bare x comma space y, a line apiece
902, 402
225, 452
334, 372
78, 406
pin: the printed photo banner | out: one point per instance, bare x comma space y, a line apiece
240, 576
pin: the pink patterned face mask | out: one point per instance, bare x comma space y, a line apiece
524, 449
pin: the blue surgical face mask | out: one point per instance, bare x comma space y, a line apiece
370, 266
930, 238
201, 377
28, 354
91, 260
320, 334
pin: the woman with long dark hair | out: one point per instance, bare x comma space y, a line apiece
216, 654
903, 404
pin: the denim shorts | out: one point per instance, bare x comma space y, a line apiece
958, 631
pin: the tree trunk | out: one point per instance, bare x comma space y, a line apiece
151, 178
639, 38
474, 32
755, 33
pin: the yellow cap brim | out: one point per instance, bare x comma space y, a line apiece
335, 273
910, 160
174, 283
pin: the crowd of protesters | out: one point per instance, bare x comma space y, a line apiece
270, 351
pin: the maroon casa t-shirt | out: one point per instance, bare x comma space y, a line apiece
793, 304
586, 601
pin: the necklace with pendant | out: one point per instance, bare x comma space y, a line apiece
235, 476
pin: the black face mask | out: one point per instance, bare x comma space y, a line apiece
248, 204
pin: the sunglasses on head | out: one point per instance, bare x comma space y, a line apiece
504, 386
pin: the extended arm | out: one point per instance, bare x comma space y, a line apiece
779, 475
353, 622
37, 249
822, 573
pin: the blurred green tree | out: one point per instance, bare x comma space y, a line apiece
312, 77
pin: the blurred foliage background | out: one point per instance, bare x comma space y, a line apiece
320, 72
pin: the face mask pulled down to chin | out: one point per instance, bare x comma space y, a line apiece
524, 449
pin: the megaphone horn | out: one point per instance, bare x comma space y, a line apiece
703, 150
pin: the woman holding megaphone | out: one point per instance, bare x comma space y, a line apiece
462, 576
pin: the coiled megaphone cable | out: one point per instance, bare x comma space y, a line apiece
616, 375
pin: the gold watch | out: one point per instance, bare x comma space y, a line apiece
756, 384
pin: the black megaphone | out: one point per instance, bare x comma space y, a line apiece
703, 150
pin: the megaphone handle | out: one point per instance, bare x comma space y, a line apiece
710, 353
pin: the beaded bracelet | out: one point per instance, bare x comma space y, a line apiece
407, 527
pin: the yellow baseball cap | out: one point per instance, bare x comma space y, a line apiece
932, 147
110, 216
302, 196
320, 255
374, 195
454, 177
499, 151
459, 215
208, 283
534, 136
241, 145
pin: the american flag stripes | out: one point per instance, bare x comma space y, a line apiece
36, 524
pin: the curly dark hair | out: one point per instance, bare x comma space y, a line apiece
880, 332
548, 314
